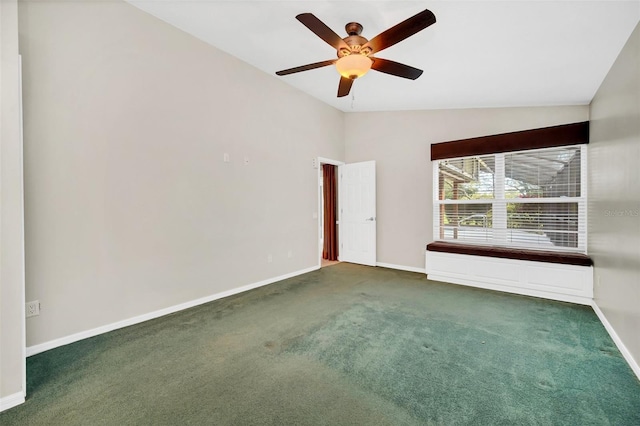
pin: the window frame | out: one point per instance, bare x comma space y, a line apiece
566, 136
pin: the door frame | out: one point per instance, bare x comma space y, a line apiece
319, 162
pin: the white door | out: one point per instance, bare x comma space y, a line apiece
357, 194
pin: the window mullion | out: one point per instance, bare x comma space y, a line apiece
499, 203
582, 205
437, 219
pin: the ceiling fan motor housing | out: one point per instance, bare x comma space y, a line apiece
354, 40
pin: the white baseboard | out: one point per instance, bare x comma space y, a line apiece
401, 267
11, 401
616, 339
42, 347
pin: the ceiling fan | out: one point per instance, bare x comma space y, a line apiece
355, 52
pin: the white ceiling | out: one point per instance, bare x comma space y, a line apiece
478, 53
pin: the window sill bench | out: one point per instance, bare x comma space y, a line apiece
566, 277
511, 253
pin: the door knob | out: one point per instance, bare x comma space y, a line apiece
371, 218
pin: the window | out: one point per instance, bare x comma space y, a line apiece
533, 199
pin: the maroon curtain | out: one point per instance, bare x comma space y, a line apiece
330, 249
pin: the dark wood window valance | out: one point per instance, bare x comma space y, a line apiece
547, 137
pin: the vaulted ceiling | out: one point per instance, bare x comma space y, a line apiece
478, 53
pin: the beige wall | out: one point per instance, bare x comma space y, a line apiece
11, 212
400, 143
614, 195
129, 205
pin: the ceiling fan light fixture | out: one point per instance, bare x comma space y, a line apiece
353, 66
354, 50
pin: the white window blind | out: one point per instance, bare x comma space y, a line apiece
526, 199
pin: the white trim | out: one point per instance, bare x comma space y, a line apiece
583, 232
322, 160
401, 267
22, 278
507, 289
11, 401
566, 283
548, 200
36, 349
435, 165
616, 339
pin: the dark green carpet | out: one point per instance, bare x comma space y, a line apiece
348, 345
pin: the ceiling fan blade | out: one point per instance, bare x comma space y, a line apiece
310, 21
395, 68
307, 67
403, 30
344, 87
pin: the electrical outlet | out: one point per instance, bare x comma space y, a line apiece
226, 158
269, 258
314, 163
246, 161
32, 308
289, 254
